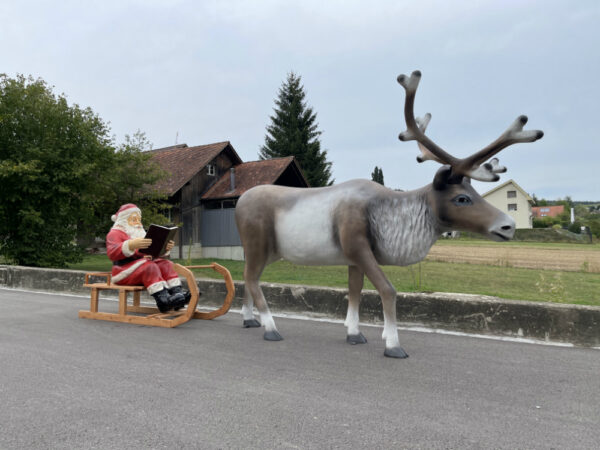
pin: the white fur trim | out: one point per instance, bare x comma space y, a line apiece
122, 275
156, 287
125, 213
126, 250
173, 282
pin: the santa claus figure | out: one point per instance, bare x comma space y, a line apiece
130, 267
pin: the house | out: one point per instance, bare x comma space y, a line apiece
548, 211
511, 199
204, 185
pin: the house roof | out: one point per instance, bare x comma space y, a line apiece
253, 173
183, 162
551, 211
519, 188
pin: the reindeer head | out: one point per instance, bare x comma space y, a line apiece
457, 205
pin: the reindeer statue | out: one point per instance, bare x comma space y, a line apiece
362, 224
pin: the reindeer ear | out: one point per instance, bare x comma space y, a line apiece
442, 177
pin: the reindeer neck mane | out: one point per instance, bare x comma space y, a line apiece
403, 227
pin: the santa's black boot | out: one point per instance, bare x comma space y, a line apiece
177, 290
162, 301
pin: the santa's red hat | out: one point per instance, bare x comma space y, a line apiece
125, 211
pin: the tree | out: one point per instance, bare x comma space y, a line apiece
60, 173
131, 179
377, 175
293, 132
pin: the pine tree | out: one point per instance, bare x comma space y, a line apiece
377, 175
293, 132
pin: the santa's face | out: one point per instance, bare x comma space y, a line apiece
133, 226
134, 220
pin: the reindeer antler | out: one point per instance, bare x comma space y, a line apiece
473, 166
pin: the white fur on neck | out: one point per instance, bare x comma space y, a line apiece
403, 229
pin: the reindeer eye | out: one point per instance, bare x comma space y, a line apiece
462, 200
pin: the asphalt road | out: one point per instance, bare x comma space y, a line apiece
72, 383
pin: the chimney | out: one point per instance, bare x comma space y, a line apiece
232, 179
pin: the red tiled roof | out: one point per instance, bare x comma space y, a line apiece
183, 162
550, 211
250, 174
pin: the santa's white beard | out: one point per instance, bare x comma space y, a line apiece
132, 231
135, 232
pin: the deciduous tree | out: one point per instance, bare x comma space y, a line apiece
60, 173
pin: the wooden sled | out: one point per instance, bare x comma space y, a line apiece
145, 315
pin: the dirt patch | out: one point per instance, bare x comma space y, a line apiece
526, 257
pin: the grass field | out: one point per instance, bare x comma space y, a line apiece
505, 281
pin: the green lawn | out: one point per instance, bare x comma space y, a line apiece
505, 282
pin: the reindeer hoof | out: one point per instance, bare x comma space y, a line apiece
354, 339
395, 352
272, 336
252, 323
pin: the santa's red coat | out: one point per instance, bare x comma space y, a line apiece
131, 267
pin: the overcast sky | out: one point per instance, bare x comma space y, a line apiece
209, 71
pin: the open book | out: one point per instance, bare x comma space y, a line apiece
160, 238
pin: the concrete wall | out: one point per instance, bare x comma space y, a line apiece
235, 253
575, 324
193, 251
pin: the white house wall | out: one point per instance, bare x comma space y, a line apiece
499, 198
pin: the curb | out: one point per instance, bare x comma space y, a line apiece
575, 324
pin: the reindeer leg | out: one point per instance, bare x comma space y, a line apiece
357, 248
388, 300
356, 278
247, 313
252, 274
365, 260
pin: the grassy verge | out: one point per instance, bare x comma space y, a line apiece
505, 282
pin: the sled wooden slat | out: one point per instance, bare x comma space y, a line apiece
153, 317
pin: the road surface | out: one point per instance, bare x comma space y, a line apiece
72, 383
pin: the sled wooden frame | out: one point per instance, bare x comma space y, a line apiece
153, 316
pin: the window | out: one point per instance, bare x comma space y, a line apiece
545, 210
220, 204
511, 194
210, 169
512, 206
212, 205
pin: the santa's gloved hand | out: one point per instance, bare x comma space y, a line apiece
135, 244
